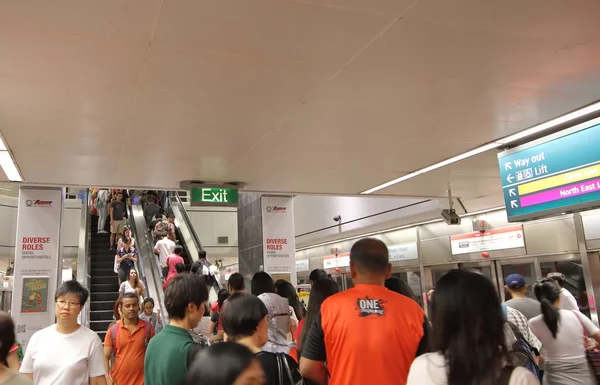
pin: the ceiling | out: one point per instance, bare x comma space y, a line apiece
306, 96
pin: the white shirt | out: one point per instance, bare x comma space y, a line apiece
64, 359
165, 248
568, 344
567, 301
430, 369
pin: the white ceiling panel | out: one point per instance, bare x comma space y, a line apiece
556, 20
306, 96
457, 52
283, 29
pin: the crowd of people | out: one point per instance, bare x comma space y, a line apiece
374, 333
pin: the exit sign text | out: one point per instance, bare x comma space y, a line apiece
213, 196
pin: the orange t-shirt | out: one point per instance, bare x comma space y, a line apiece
367, 335
128, 368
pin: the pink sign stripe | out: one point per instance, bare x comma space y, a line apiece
572, 190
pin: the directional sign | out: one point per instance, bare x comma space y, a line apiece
555, 174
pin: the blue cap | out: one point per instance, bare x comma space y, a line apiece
515, 281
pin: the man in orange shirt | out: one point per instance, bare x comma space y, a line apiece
128, 339
367, 334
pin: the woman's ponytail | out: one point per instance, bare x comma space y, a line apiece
547, 293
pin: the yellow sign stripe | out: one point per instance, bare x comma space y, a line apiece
560, 180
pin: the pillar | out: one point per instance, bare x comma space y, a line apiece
37, 268
266, 237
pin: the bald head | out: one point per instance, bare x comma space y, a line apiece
370, 256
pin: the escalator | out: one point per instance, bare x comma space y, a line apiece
104, 287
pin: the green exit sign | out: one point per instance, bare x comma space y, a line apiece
204, 196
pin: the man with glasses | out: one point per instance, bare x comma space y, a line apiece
66, 352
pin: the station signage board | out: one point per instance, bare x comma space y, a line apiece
496, 239
555, 174
205, 196
336, 260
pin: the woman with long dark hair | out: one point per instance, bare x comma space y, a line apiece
563, 335
133, 285
225, 364
286, 290
322, 289
468, 337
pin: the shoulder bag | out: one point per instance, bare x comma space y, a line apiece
285, 373
592, 354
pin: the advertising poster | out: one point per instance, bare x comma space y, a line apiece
279, 243
35, 295
36, 271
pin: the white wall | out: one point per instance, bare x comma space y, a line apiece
211, 223
312, 212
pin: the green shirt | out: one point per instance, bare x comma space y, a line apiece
166, 357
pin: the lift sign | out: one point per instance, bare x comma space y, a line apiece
213, 196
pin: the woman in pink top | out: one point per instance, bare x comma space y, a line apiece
173, 260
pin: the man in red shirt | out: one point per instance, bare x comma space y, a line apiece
367, 334
173, 260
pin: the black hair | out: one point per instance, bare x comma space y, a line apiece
370, 255
202, 254
170, 215
468, 327
317, 274
241, 315
236, 282
151, 199
286, 290
321, 290
559, 278
401, 287
7, 335
129, 295
195, 267
182, 290
230, 358
158, 216
547, 293
262, 283
126, 239
222, 297
178, 250
179, 268
73, 287
148, 300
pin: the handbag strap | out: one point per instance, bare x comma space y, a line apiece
287, 368
279, 368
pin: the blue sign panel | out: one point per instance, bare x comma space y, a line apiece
558, 173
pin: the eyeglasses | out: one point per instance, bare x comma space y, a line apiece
62, 303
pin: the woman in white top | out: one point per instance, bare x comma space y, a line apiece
66, 352
133, 285
468, 337
563, 335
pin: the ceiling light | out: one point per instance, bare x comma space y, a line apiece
2, 145
497, 143
9, 167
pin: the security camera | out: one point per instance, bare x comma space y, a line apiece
450, 217
337, 218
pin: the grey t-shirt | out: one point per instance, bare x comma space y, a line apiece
118, 210
529, 307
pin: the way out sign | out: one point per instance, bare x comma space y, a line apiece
204, 196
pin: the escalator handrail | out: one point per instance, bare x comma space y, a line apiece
84, 256
188, 222
145, 248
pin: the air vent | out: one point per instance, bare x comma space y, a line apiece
223, 240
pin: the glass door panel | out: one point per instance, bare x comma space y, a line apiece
413, 279
575, 282
526, 269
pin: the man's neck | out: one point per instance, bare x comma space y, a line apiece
249, 343
180, 323
67, 327
127, 322
366, 280
517, 295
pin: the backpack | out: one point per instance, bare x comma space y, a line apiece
98, 203
198, 344
114, 333
521, 352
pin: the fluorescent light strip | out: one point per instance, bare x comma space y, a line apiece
2, 145
397, 228
8, 165
497, 143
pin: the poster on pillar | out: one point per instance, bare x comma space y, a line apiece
279, 242
36, 268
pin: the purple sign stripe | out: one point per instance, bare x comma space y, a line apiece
571, 190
